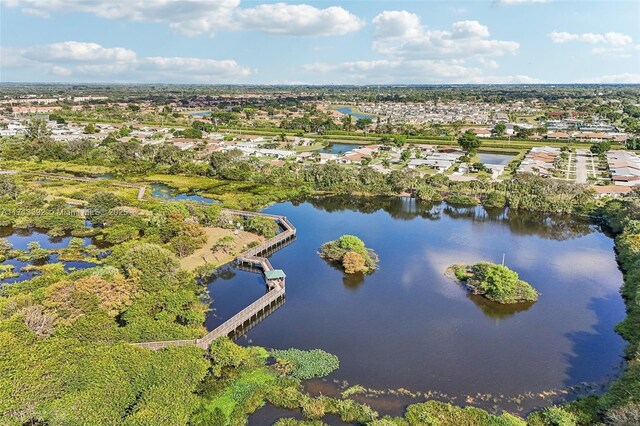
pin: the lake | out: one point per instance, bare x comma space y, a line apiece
408, 326
496, 159
339, 148
355, 115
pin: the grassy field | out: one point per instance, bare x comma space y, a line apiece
375, 138
49, 166
184, 183
204, 256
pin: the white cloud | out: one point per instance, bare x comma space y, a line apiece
195, 17
195, 69
282, 18
58, 70
13, 58
92, 62
610, 38
411, 53
76, 51
506, 79
624, 78
397, 70
401, 34
488, 63
135, 10
622, 52
397, 23
469, 29
411, 71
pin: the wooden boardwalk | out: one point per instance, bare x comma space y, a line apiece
257, 310
253, 257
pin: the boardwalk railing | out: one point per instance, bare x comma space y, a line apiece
264, 305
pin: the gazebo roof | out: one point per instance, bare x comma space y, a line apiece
274, 274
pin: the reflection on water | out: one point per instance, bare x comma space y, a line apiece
353, 281
409, 326
160, 190
556, 227
20, 239
339, 148
498, 159
355, 115
29, 274
497, 310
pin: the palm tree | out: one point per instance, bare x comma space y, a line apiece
347, 122
456, 126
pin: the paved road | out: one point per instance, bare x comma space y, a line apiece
583, 160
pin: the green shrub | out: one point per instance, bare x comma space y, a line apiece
443, 414
494, 199
351, 252
308, 364
459, 199
495, 282
261, 226
552, 416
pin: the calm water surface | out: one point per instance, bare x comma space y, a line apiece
355, 115
162, 190
498, 159
339, 148
409, 326
20, 238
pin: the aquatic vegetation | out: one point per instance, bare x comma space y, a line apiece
495, 282
351, 252
308, 364
7, 271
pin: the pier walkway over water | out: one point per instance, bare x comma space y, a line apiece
258, 310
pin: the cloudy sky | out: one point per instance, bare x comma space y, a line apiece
320, 42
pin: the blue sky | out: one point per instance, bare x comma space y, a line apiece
320, 42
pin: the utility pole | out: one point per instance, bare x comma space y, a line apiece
503, 254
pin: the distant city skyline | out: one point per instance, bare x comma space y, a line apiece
320, 42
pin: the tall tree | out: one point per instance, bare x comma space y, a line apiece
363, 123
499, 130
347, 122
469, 142
37, 130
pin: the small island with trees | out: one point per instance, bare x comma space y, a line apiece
495, 282
351, 253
